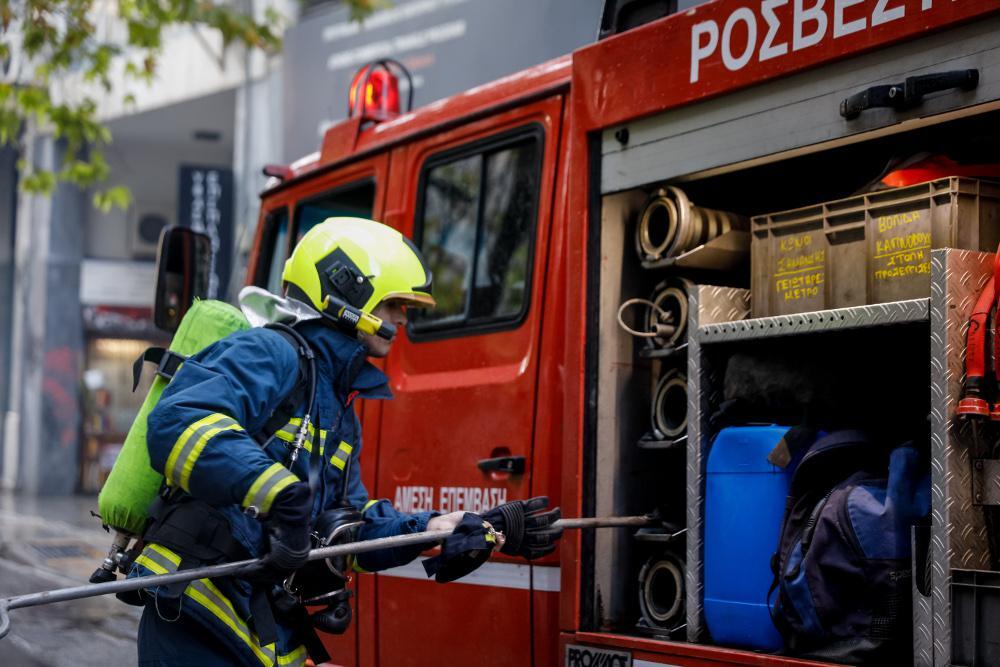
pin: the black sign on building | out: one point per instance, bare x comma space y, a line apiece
205, 204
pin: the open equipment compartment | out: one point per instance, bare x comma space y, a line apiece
883, 348
773, 147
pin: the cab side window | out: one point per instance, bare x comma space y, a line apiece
275, 245
475, 224
356, 200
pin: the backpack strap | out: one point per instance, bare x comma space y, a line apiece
308, 380
167, 362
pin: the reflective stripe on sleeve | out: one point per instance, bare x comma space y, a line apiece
268, 485
190, 444
342, 455
158, 559
353, 560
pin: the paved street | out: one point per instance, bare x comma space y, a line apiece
50, 543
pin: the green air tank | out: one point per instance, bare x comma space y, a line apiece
132, 485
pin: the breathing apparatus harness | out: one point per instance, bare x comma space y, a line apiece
201, 534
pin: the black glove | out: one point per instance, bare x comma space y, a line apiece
526, 528
288, 524
468, 547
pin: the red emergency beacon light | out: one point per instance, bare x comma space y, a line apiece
374, 92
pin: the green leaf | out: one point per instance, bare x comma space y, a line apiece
61, 39
40, 182
118, 196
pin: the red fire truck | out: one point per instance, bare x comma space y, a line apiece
522, 194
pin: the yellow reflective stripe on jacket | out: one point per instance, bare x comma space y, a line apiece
190, 444
291, 429
354, 559
294, 659
158, 559
342, 455
268, 485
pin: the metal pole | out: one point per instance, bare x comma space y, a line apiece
245, 567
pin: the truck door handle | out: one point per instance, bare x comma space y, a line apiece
509, 464
909, 93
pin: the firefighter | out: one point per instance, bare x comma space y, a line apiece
232, 492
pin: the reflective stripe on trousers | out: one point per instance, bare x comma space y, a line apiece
161, 560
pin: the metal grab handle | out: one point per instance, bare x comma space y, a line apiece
247, 567
909, 93
515, 465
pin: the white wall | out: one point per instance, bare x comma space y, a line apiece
145, 155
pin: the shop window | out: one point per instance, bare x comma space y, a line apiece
356, 200
109, 404
476, 226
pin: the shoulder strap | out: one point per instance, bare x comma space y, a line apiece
299, 394
307, 381
167, 362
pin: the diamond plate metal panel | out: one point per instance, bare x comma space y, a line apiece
707, 304
721, 304
913, 310
986, 482
923, 615
693, 582
923, 627
958, 533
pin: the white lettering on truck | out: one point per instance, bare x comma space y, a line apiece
734, 63
448, 498
839, 27
803, 16
810, 22
699, 52
769, 49
882, 15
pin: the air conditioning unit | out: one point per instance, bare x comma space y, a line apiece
144, 234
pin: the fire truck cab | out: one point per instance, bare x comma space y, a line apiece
523, 195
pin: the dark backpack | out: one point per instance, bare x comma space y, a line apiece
842, 571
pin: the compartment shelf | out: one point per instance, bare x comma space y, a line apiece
860, 317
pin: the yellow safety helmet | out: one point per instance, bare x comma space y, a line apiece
360, 262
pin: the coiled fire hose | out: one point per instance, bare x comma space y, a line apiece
661, 591
669, 408
247, 567
666, 314
670, 225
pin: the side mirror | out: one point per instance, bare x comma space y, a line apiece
183, 270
